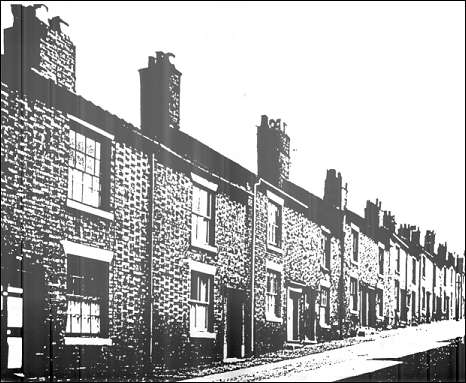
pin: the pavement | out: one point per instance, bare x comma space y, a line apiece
381, 352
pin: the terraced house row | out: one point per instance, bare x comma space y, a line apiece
126, 249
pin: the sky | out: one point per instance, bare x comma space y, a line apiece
374, 90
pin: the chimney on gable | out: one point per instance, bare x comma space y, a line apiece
160, 97
335, 193
31, 44
429, 241
373, 216
273, 151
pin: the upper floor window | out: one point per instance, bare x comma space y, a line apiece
424, 266
451, 276
202, 216
398, 259
201, 302
355, 245
272, 298
353, 294
87, 297
444, 276
397, 294
274, 223
414, 271
381, 260
326, 251
84, 172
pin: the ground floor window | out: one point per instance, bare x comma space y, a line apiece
379, 302
87, 297
201, 302
324, 305
354, 294
272, 297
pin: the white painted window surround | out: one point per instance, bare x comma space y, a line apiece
87, 341
89, 209
196, 306
87, 251
91, 127
203, 182
94, 253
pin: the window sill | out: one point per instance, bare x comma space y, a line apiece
355, 263
89, 209
273, 318
205, 247
274, 248
355, 312
381, 275
324, 325
87, 341
202, 334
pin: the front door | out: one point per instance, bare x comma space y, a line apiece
372, 309
235, 324
294, 314
12, 313
310, 322
428, 306
364, 307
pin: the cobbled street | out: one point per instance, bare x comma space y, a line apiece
381, 351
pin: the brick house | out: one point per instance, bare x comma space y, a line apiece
130, 249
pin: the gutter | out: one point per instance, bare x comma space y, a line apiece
253, 265
151, 252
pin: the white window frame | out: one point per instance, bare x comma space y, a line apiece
271, 316
355, 233
210, 271
74, 204
279, 202
210, 188
94, 253
352, 296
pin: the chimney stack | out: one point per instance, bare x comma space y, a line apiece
273, 151
32, 44
160, 97
335, 193
373, 216
429, 241
389, 221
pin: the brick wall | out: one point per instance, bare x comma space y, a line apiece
172, 250
34, 214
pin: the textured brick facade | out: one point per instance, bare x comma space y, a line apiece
147, 223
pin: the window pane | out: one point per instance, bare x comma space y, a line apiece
97, 150
89, 165
77, 185
90, 147
97, 168
71, 157
80, 160
86, 320
70, 183
15, 312
72, 136
87, 189
80, 142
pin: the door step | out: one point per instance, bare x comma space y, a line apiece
293, 345
365, 331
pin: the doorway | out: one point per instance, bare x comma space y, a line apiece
235, 324
12, 315
294, 309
